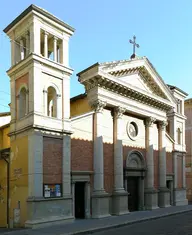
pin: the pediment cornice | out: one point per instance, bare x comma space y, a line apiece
124, 90
144, 75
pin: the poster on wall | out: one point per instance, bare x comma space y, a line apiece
52, 190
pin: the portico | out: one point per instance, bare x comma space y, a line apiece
131, 89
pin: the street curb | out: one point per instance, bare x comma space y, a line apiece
104, 228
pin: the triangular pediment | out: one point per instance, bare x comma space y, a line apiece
139, 74
136, 81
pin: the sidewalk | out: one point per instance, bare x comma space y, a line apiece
96, 225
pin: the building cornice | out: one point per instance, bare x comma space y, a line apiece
122, 89
43, 12
40, 59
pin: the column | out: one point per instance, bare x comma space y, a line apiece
100, 199
66, 165
46, 44
151, 196
149, 152
98, 147
118, 148
162, 154
22, 54
27, 43
164, 193
55, 49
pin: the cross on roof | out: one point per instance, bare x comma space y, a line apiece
134, 46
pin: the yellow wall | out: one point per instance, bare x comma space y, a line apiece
4, 143
3, 193
19, 177
80, 106
4, 138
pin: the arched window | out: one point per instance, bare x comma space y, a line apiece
22, 102
51, 102
178, 135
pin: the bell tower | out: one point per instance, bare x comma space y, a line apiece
40, 114
39, 70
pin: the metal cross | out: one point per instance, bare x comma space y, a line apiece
134, 45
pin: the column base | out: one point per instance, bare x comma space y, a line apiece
120, 202
100, 205
151, 199
164, 197
180, 197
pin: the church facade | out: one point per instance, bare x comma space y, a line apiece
118, 148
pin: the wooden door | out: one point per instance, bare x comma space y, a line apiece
132, 188
80, 200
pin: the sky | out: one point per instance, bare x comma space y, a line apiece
102, 31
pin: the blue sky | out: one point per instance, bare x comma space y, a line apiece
103, 29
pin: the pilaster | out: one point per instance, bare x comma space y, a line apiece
164, 194
35, 165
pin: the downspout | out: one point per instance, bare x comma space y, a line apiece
7, 161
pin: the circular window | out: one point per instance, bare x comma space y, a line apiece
132, 130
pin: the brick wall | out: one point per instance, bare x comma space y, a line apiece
108, 167
81, 155
52, 160
169, 162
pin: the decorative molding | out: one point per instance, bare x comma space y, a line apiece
149, 121
123, 90
118, 112
98, 105
162, 125
144, 75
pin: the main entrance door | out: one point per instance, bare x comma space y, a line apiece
80, 200
133, 196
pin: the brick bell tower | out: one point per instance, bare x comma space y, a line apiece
40, 117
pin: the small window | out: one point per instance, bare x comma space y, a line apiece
178, 135
51, 102
22, 102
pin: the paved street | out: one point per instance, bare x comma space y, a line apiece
172, 225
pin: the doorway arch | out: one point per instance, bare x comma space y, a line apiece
134, 179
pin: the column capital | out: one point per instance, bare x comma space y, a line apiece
46, 33
149, 121
98, 106
55, 38
162, 125
118, 112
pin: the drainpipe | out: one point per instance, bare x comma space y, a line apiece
7, 161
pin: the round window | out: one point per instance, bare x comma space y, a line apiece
132, 130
